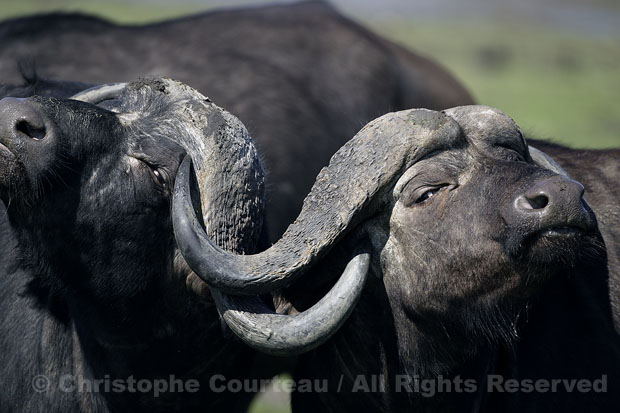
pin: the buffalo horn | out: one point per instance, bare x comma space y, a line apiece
545, 161
269, 332
344, 194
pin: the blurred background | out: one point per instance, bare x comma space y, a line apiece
553, 65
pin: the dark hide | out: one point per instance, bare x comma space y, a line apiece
303, 78
91, 282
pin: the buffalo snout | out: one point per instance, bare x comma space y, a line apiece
28, 145
551, 206
20, 120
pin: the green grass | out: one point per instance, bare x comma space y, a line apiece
555, 84
272, 402
117, 10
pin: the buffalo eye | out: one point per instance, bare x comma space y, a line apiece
511, 154
159, 177
158, 174
420, 195
428, 194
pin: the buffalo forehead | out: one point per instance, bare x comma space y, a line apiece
485, 126
159, 95
413, 134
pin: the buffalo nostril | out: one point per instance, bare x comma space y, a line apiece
30, 130
550, 204
538, 202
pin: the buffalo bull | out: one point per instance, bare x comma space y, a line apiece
92, 287
302, 77
483, 261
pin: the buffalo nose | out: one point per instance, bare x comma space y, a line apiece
19, 119
555, 202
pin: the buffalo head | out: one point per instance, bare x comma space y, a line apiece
88, 183
462, 220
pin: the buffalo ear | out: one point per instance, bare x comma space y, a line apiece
545, 161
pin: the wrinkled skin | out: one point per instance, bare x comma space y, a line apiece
303, 78
462, 288
91, 283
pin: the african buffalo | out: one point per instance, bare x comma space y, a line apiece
302, 77
92, 287
482, 258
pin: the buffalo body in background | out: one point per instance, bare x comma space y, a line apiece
303, 78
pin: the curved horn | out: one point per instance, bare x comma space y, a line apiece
344, 194
545, 161
278, 334
98, 94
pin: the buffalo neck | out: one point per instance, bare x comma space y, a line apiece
165, 331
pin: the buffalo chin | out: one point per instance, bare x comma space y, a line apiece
7, 160
559, 248
12, 179
9, 173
